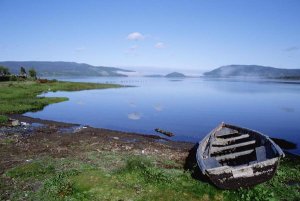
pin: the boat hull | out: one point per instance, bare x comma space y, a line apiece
233, 157
230, 182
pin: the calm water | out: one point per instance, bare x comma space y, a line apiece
190, 107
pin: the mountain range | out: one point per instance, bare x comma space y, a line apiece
253, 71
60, 68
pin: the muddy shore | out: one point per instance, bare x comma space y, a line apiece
57, 139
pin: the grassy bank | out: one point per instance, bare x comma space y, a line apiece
119, 176
137, 178
20, 97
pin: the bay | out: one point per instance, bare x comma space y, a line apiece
188, 107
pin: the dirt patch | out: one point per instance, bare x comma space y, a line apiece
60, 140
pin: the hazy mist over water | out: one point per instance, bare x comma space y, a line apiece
189, 107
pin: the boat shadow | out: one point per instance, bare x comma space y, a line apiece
192, 166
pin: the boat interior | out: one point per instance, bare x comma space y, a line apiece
234, 146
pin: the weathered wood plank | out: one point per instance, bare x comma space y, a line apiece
225, 131
233, 155
226, 141
219, 149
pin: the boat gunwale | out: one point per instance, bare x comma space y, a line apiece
208, 138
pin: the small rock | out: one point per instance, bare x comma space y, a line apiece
127, 147
15, 122
116, 138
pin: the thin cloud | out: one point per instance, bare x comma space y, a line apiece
135, 36
80, 49
159, 45
292, 49
132, 49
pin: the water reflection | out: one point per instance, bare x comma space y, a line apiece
158, 107
134, 116
288, 109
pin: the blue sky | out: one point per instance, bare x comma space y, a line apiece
191, 36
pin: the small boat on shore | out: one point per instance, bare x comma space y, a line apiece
234, 157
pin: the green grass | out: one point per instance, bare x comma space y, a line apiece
7, 141
3, 119
137, 178
34, 169
20, 97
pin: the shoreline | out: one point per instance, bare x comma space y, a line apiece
287, 146
109, 140
30, 120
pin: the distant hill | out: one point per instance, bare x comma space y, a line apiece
175, 75
253, 71
154, 75
59, 68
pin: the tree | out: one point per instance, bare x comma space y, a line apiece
4, 71
32, 73
23, 71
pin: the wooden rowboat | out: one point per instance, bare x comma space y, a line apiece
234, 157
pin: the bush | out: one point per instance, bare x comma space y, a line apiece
4, 78
32, 73
13, 78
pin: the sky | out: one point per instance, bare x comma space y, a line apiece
192, 36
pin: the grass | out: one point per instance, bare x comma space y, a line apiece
34, 169
6, 141
137, 178
20, 97
3, 119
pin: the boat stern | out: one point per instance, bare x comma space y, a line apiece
227, 177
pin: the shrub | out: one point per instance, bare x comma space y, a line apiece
13, 78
